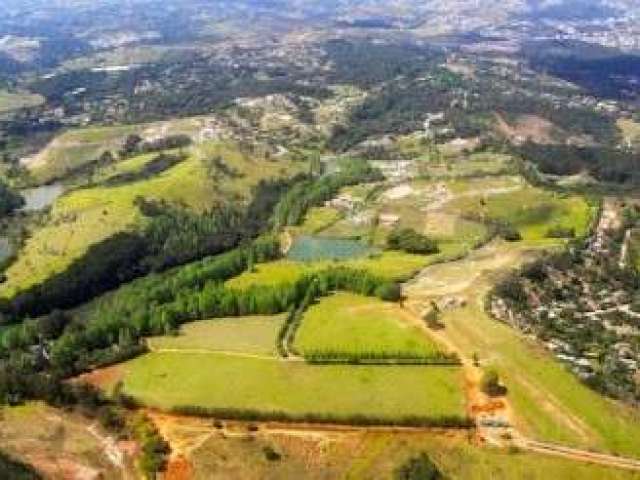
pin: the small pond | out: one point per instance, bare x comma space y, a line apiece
41, 197
5, 249
309, 249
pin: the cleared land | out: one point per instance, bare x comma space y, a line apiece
318, 455
214, 380
14, 101
350, 324
251, 335
59, 444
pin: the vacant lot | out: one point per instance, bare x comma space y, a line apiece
252, 335
58, 444
350, 324
215, 380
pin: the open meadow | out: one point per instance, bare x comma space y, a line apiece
249, 335
208, 453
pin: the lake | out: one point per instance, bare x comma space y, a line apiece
41, 197
308, 249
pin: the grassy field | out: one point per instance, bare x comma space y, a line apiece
318, 219
532, 211
14, 101
213, 380
351, 324
76, 147
390, 265
87, 216
254, 335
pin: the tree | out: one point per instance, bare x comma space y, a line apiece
490, 384
9, 200
389, 292
432, 317
410, 241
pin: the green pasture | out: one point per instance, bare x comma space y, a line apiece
352, 324
213, 380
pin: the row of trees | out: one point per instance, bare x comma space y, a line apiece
9, 200
173, 236
304, 195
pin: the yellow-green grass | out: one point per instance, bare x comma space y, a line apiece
214, 380
352, 324
548, 400
16, 100
87, 216
532, 211
317, 220
389, 265
254, 335
372, 455
77, 147
378, 456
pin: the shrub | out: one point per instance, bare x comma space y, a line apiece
389, 292
410, 241
561, 232
490, 384
418, 468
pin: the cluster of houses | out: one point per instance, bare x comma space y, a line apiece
590, 324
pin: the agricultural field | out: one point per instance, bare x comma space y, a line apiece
250, 335
59, 444
10, 101
350, 325
217, 380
